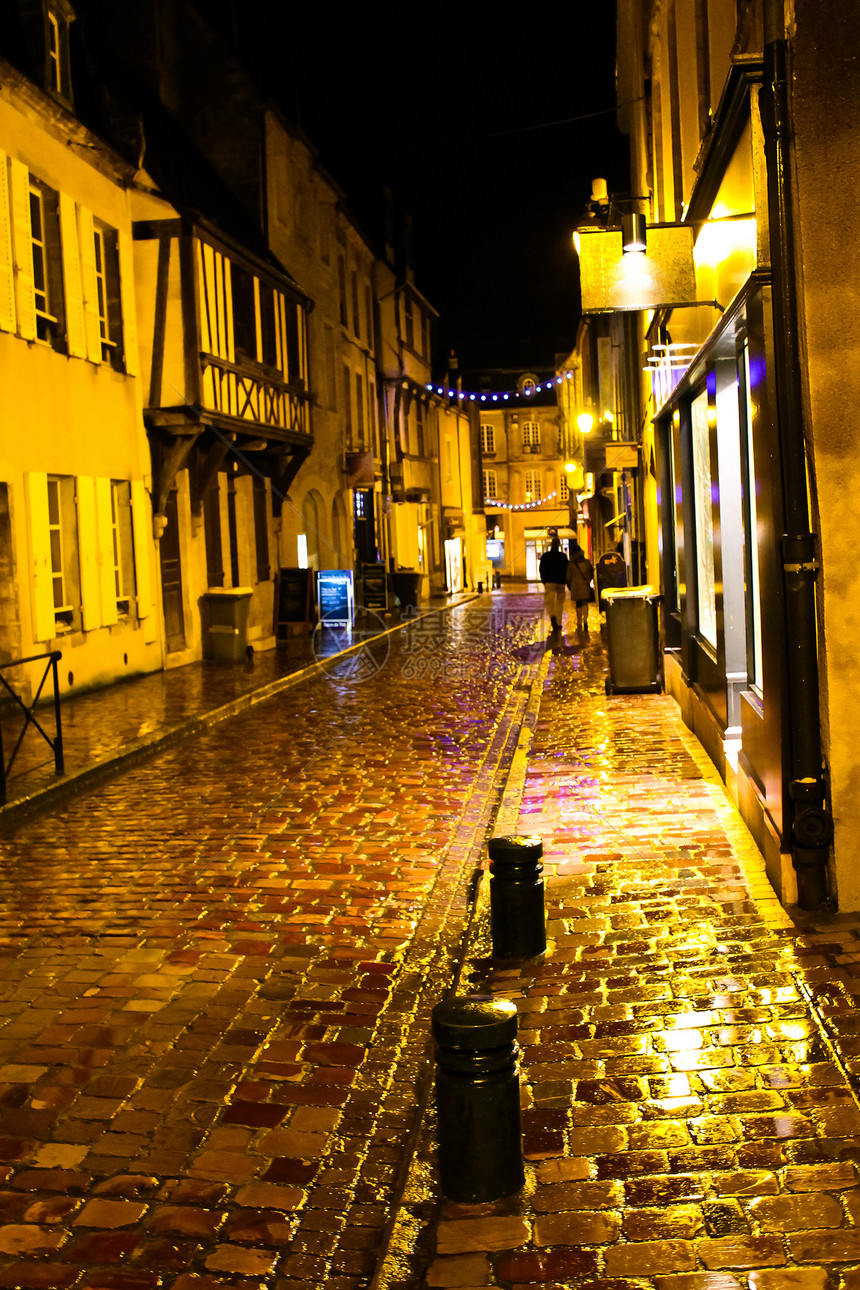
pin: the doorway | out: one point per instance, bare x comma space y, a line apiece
171, 578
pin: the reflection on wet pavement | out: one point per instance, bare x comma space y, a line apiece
688, 1051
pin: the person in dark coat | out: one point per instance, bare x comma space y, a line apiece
580, 572
553, 574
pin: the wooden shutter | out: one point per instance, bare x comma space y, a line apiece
7, 264
41, 583
90, 304
88, 553
19, 177
126, 295
141, 527
75, 334
107, 575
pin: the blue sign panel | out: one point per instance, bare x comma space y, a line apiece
335, 597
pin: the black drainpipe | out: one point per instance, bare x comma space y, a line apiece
812, 825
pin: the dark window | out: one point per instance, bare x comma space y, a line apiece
58, 80
341, 282
347, 404
409, 322
294, 372
268, 331
359, 406
47, 265
244, 321
63, 541
356, 312
108, 295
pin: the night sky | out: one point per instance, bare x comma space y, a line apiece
465, 112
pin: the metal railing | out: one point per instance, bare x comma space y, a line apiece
30, 719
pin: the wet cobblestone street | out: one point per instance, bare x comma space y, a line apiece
219, 966
688, 1052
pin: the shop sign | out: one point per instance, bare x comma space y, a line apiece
335, 597
663, 275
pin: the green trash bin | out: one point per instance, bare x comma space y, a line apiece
633, 640
225, 635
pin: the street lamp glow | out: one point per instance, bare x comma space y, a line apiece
585, 421
570, 467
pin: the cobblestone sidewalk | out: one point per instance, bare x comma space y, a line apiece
688, 1051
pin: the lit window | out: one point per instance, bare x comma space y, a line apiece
531, 434
490, 485
533, 486
488, 438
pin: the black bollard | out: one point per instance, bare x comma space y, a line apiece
517, 917
478, 1098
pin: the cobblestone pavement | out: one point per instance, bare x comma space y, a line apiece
218, 969
127, 719
689, 1053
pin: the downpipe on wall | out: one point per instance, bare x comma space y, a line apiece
812, 824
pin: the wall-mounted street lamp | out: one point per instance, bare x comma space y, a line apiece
633, 234
585, 422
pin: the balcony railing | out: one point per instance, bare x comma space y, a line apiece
263, 401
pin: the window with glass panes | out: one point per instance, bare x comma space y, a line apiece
531, 434
563, 490
488, 437
533, 486
490, 485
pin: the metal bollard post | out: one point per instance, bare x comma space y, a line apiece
478, 1098
517, 918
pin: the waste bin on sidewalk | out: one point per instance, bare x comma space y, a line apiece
633, 640
225, 627
610, 571
405, 584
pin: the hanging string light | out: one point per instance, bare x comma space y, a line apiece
523, 506
527, 392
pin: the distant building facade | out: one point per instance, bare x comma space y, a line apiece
525, 485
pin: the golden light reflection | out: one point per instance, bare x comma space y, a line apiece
721, 240
793, 1030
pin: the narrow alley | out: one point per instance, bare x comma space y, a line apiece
219, 968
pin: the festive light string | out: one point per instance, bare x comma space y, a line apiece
523, 506
500, 398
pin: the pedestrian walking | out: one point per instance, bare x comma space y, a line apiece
553, 575
580, 572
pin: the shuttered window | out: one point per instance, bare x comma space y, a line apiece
65, 277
